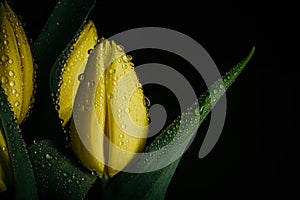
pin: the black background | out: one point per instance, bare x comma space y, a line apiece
252, 159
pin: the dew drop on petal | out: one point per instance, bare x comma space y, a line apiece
11, 83
17, 104
4, 58
11, 73
81, 77
112, 71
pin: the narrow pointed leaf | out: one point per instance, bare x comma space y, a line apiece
65, 21
25, 186
173, 141
58, 176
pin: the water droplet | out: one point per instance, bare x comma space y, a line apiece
10, 61
17, 104
5, 42
94, 173
121, 135
112, 71
123, 126
121, 143
81, 77
125, 58
4, 79
91, 84
11, 83
3, 148
90, 51
48, 156
11, 73
4, 58
127, 110
215, 91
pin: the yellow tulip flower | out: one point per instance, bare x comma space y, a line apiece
118, 111
16, 64
16, 77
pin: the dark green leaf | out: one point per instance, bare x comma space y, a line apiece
58, 176
25, 186
169, 146
66, 19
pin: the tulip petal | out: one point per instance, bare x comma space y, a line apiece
16, 63
121, 125
126, 116
73, 67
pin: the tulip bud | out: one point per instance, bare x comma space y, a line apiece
73, 66
107, 133
16, 64
6, 174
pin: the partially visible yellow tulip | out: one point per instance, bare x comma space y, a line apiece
117, 125
16, 76
16, 63
73, 66
6, 175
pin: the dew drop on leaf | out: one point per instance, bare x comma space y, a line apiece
81, 77
48, 156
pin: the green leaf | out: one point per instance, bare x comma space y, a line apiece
25, 186
58, 176
169, 146
66, 19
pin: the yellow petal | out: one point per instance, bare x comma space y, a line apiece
16, 64
73, 67
119, 111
